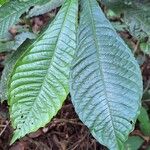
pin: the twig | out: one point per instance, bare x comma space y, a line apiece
147, 87
71, 121
74, 146
5, 126
136, 47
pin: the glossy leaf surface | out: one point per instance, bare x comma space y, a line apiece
106, 83
39, 82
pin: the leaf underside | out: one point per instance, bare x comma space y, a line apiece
39, 82
39, 10
106, 83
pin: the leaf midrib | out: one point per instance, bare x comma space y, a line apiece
98, 58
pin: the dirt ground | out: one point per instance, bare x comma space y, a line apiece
65, 132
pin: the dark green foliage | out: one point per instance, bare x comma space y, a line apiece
136, 15
144, 122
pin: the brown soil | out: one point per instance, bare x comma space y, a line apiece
65, 132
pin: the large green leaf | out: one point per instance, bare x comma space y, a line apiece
11, 12
106, 83
39, 82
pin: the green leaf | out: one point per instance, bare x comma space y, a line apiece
136, 15
10, 13
6, 46
106, 82
133, 143
118, 5
8, 68
146, 94
39, 82
138, 22
119, 26
148, 148
39, 10
3, 2
18, 40
144, 122
145, 47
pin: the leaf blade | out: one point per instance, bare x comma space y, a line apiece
101, 72
40, 77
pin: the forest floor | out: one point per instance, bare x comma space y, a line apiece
65, 132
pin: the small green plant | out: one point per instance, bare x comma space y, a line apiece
81, 53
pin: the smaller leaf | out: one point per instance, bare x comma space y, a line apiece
133, 143
136, 15
117, 5
39, 10
146, 95
9, 65
119, 26
111, 13
19, 39
6, 46
148, 148
144, 122
138, 22
145, 47
13, 10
